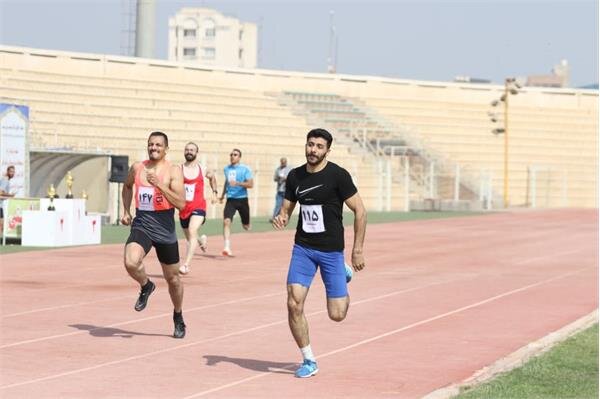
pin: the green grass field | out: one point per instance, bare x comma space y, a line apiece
112, 234
569, 370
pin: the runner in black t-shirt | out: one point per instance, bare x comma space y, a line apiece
321, 188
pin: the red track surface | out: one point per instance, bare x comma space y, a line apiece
439, 300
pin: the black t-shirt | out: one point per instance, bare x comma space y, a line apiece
321, 196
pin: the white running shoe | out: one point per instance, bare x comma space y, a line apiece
203, 241
227, 252
184, 269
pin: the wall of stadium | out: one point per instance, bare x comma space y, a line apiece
553, 132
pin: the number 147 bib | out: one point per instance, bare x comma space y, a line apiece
312, 218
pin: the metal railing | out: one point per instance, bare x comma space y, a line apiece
370, 132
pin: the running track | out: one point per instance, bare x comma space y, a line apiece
439, 300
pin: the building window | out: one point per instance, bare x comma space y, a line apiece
209, 53
241, 34
240, 53
189, 33
209, 28
189, 52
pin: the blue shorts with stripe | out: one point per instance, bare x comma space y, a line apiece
304, 264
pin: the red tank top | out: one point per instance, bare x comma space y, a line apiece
148, 197
194, 194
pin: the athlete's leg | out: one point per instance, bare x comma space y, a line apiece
337, 308
228, 213
333, 273
137, 246
168, 256
300, 275
133, 256
171, 274
299, 327
296, 318
226, 235
301, 272
244, 210
191, 236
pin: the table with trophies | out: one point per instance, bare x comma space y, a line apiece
60, 221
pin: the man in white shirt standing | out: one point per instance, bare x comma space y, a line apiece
5, 191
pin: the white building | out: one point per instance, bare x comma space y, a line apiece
205, 36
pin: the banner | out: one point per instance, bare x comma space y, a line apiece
13, 214
14, 122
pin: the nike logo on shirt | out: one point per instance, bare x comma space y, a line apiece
307, 190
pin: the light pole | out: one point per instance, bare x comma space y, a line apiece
511, 86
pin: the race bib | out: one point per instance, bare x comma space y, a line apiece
190, 189
146, 198
312, 218
231, 175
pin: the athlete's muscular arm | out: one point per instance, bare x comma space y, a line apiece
127, 195
173, 190
360, 227
222, 196
212, 179
281, 220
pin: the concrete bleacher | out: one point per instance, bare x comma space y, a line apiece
114, 113
561, 138
110, 103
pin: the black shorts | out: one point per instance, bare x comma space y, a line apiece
240, 205
166, 253
185, 223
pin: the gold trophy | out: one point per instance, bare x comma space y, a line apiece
51, 194
84, 194
69, 185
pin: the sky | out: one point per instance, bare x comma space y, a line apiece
405, 39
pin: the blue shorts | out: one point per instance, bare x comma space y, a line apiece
185, 223
304, 264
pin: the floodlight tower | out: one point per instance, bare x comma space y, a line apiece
511, 87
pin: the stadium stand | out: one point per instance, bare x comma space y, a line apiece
108, 104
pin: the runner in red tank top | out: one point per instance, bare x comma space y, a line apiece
158, 189
194, 213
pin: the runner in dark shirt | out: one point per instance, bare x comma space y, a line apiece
322, 188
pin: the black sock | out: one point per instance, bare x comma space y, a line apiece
178, 316
147, 285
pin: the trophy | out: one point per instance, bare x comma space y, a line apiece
84, 194
69, 185
51, 193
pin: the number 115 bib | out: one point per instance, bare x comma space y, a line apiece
312, 218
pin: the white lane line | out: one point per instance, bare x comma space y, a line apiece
68, 305
255, 276
240, 332
407, 327
203, 307
531, 260
213, 305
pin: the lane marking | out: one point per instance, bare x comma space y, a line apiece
263, 326
68, 305
240, 332
387, 334
213, 305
